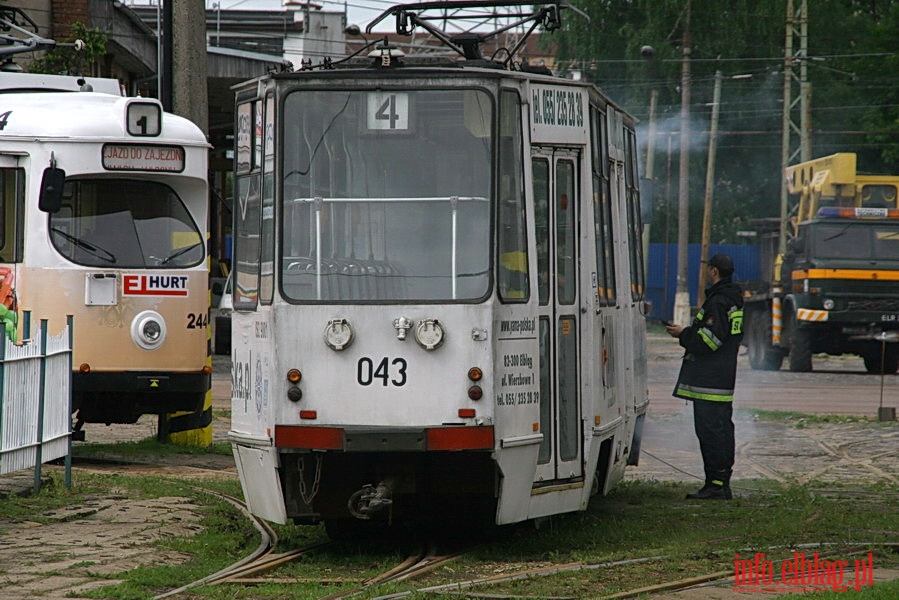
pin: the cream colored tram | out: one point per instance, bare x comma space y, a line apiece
438, 293
104, 205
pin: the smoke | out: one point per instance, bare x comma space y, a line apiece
750, 115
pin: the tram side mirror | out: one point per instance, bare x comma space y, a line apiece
52, 183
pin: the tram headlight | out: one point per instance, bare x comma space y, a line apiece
338, 334
828, 304
429, 334
148, 330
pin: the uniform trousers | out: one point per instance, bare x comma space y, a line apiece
715, 429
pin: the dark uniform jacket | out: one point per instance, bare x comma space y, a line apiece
712, 341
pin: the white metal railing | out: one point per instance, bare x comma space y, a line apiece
36, 401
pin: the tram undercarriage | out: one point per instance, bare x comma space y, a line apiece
390, 488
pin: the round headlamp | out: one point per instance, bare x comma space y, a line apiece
148, 330
429, 334
338, 334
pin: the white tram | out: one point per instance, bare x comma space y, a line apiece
438, 291
104, 202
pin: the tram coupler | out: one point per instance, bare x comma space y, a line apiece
370, 500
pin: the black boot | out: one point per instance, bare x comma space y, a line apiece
717, 487
712, 491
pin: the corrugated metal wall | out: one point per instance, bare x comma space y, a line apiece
661, 277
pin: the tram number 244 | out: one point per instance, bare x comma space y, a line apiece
388, 371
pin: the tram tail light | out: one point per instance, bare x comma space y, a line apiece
475, 374
294, 393
475, 392
466, 413
84, 368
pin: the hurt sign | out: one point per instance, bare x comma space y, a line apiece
154, 285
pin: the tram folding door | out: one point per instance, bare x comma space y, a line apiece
556, 205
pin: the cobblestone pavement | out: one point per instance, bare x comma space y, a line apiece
796, 450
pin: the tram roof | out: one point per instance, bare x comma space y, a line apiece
39, 82
85, 116
429, 67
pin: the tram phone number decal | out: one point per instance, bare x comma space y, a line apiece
558, 114
518, 372
134, 157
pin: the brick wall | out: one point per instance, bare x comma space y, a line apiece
65, 13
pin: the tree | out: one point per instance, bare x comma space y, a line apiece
852, 43
67, 60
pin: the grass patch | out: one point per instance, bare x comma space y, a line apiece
800, 420
677, 538
147, 447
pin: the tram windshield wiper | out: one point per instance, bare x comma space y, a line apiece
176, 253
100, 253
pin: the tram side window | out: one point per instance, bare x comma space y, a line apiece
266, 274
540, 171
247, 207
125, 223
12, 185
602, 210
566, 232
513, 276
634, 225
247, 227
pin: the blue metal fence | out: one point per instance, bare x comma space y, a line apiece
661, 276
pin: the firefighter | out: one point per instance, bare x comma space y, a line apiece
708, 372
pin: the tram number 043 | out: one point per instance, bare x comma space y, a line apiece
388, 371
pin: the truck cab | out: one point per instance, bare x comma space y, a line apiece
836, 288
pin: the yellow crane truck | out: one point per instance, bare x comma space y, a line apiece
836, 288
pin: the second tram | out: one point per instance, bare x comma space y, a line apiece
438, 290
104, 202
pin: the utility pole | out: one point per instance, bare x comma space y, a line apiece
649, 172
709, 185
165, 68
189, 90
682, 295
796, 27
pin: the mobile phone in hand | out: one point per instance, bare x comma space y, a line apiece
667, 323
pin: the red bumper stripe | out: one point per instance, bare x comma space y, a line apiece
299, 436
332, 438
460, 438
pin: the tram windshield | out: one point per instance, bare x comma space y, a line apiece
125, 223
387, 195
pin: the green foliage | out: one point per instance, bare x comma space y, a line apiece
852, 76
68, 61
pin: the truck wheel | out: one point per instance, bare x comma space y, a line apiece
890, 363
800, 348
762, 355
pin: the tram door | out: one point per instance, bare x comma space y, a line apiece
555, 177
